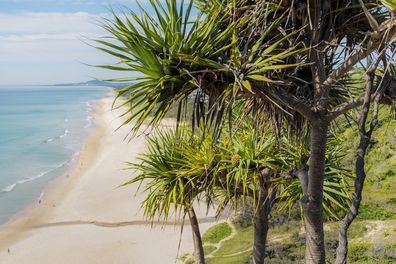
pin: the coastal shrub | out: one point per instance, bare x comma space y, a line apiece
391, 201
185, 258
390, 173
285, 252
244, 215
358, 251
364, 252
371, 211
216, 233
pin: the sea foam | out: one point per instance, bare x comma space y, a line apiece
65, 133
11, 187
40, 133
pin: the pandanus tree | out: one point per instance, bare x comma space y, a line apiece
181, 167
286, 59
174, 174
266, 169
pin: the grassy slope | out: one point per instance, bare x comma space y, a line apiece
373, 234
379, 195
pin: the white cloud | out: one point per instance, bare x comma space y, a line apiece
48, 47
64, 36
48, 22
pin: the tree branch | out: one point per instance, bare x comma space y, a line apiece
284, 98
345, 107
387, 32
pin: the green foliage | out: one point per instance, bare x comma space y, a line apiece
244, 214
164, 49
182, 166
380, 166
390, 4
172, 173
243, 258
177, 56
217, 233
241, 242
391, 201
286, 252
287, 246
368, 253
336, 198
212, 59
189, 261
371, 211
358, 251
244, 155
184, 257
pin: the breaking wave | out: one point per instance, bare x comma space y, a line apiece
65, 133
11, 187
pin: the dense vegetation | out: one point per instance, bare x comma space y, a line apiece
269, 81
373, 235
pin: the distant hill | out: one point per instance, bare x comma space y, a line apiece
96, 83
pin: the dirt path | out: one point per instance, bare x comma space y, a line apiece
376, 232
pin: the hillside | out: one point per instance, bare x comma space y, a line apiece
96, 83
372, 235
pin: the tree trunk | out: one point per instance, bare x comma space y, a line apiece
312, 200
365, 137
260, 232
261, 216
342, 249
198, 247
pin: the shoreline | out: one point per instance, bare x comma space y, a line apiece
85, 215
21, 221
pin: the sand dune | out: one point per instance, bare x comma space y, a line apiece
86, 218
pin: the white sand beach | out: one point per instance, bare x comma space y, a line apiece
86, 218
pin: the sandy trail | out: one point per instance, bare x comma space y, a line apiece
87, 218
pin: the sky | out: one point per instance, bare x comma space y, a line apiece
43, 41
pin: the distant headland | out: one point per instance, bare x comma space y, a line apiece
95, 83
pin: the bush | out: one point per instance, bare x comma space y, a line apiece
358, 251
391, 201
370, 253
244, 215
372, 211
285, 253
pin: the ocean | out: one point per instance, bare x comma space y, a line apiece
41, 130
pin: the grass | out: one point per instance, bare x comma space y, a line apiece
331, 230
378, 196
372, 211
379, 204
291, 248
357, 252
185, 258
241, 242
208, 249
357, 229
389, 235
366, 253
243, 258
217, 233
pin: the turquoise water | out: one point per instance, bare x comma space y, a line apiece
41, 129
